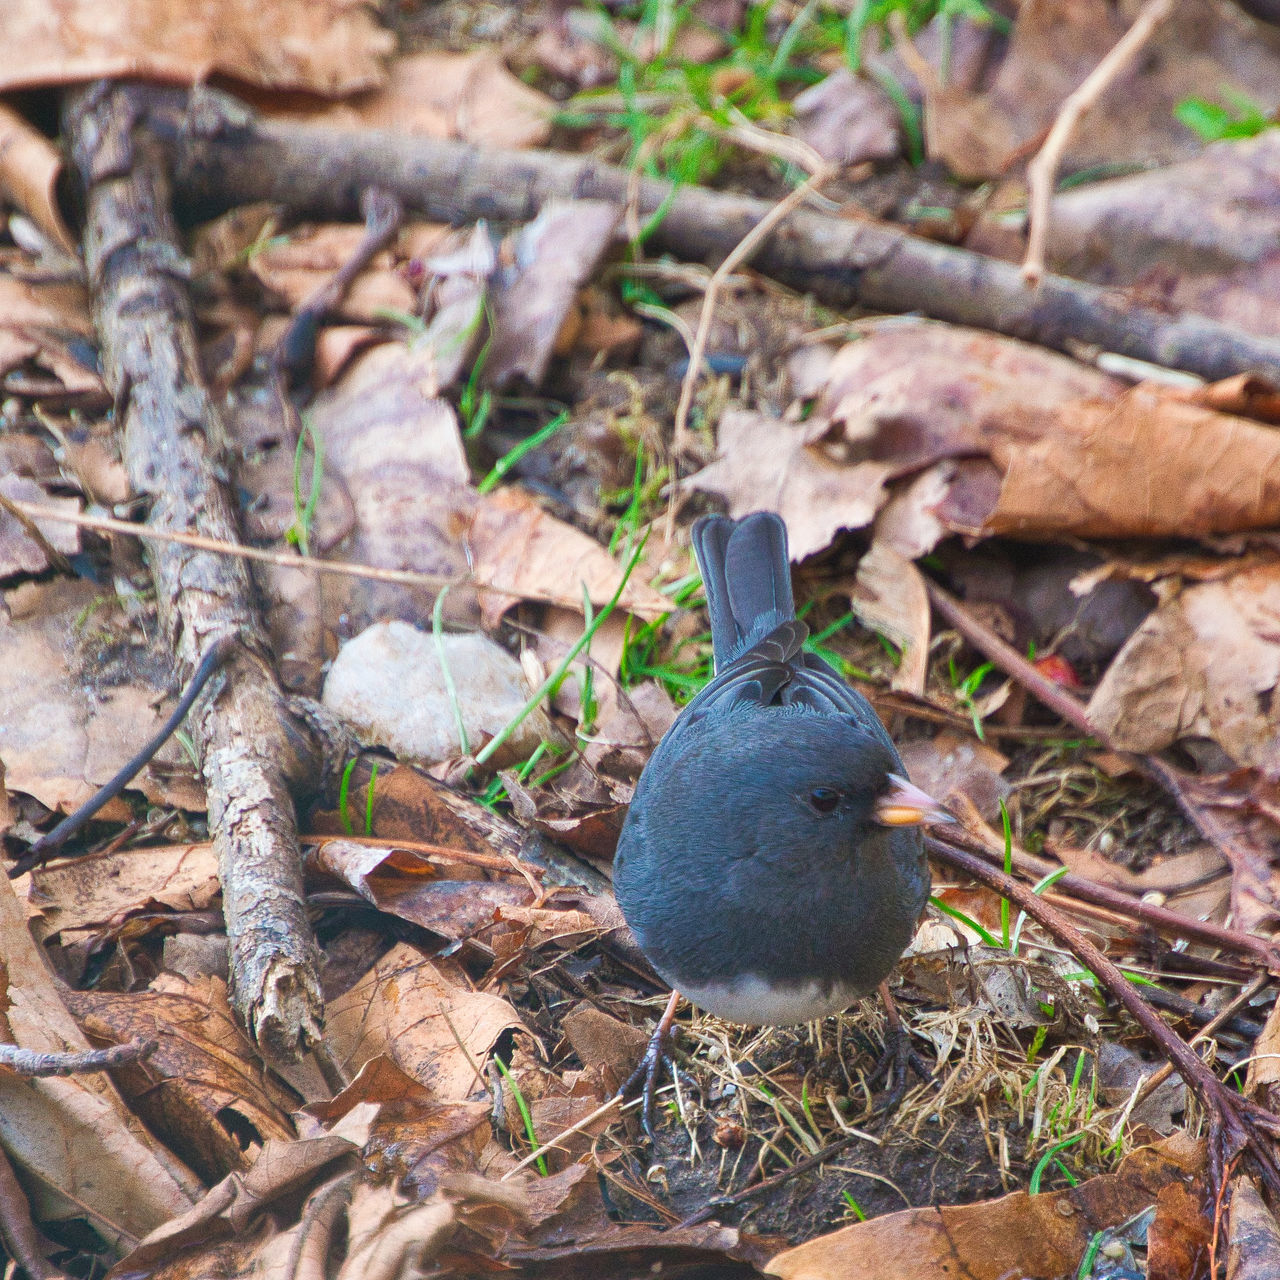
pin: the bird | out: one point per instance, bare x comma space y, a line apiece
771, 865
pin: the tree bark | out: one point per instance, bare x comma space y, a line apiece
225, 156
253, 751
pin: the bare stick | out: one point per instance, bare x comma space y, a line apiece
285, 559
235, 158
1042, 172
32, 1065
1234, 1122
254, 750
734, 259
49, 844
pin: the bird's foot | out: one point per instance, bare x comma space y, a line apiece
894, 1067
897, 1060
646, 1072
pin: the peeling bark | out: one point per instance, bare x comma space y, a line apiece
253, 752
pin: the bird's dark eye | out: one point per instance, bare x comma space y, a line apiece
824, 799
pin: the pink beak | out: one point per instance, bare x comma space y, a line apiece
905, 805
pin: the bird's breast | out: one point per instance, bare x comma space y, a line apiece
756, 1002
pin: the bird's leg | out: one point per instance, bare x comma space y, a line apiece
658, 1052
898, 1058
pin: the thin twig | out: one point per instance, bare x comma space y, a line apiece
1219, 1019
32, 1065
1042, 172
309, 564
733, 259
1234, 1122
51, 843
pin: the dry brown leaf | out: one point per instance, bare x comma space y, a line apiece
1205, 47
1179, 1237
1204, 664
904, 396
847, 119
470, 96
48, 324
407, 805
551, 259
69, 720
1253, 1242
413, 887
323, 46
29, 167
424, 1017
228, 1208
914, 391
889, 596
30, 307
20, 553
1018, 1234
1073, 453
74, 1137
391, 1239
306, 261
524, 553
413, 1131
766, 464
1144, 466
204, 1090
82, 896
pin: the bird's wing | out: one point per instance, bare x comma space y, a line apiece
776, 671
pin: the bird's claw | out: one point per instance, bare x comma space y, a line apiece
894, 1066
656, 1055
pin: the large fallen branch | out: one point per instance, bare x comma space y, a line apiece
253, 750
224, 156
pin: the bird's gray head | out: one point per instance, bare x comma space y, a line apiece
797, 783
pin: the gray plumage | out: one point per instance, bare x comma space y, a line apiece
743, 892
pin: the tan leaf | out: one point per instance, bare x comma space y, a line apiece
1205, 663
521, 550
325, 46
553, 256
74, 1137
82, 896
29, 168
1146, 466
766, 464
204, 1090
67, 723
889, 596
471, 96
425, 1018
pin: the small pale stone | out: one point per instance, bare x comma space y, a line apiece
388, 686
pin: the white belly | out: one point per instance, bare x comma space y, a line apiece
755, 1003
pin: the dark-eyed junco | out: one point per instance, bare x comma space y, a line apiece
771, 865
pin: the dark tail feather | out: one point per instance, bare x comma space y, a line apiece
747, 576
